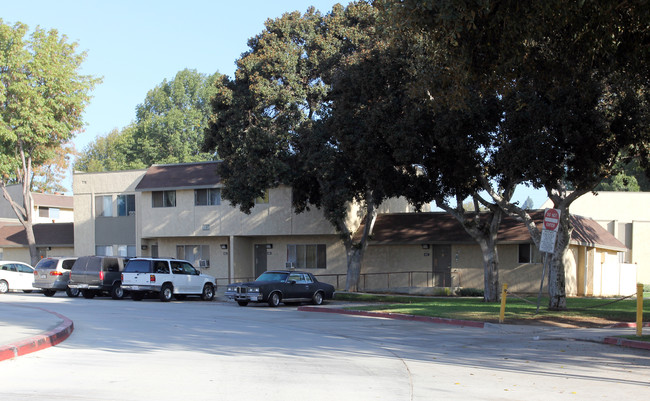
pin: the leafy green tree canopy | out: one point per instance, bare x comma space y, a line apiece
42, 98
168, 128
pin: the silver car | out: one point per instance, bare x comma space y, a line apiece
52, 275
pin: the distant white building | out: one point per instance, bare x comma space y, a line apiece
626, 215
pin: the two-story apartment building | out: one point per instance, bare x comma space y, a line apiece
177, 211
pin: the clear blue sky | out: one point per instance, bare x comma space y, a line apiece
134, 45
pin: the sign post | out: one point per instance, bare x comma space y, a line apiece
550, 227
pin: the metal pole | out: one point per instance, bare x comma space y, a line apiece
504, 295
639, 310
541, 284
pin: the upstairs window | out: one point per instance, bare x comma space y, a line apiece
125, 205
163, 199
207, 197
104, 206
48, 212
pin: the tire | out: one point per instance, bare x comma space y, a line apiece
72, 292
208, 292
274, 299
242, 303
49, 293
4, 287
166, 292
117, 292
88, 294
137, 295
317, 299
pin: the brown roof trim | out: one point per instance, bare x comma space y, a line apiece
48, 234
53, 200
176, 176
442, 228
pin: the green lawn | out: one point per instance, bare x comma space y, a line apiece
580, 310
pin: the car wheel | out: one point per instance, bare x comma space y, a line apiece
4, 287
166, 292
137, 296
317, 299
72, 292
27, 291
274, 299
242, 303
49, 293
117, 292
88, 294
208, 292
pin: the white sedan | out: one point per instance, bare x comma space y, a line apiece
16, 276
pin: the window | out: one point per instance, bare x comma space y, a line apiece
311, 256
163, 199
264, 198
125, 205
524, 253
205, 197
104, 250
126, 251
48, 212
198, 255
104, 206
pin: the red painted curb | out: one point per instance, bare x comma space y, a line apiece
631, 325
624, 342
398, 316
39, 342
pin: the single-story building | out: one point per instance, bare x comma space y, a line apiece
53, 239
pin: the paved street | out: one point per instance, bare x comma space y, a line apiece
126, 350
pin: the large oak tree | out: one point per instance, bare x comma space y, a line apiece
572, 80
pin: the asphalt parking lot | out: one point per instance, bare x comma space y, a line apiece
217, 350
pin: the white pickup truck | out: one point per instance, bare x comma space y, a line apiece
166, 277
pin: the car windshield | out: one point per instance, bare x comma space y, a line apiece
273, 276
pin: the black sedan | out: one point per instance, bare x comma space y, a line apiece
288, 286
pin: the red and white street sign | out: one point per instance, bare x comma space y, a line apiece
551, 219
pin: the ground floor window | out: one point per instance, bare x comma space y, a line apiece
307, 256
124, 251
198, 255
528, 253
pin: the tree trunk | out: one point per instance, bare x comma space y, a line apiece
490, 270
354, 251
556, 274
355, 257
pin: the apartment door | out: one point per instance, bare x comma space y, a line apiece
260, 259
442, 265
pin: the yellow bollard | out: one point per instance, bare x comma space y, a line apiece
504, 294
639, 310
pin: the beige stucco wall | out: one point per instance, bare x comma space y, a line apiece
21, 254
88, 185
186, 219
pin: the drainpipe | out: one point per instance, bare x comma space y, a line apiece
231, 259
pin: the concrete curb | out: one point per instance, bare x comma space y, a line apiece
623, 342
40, 341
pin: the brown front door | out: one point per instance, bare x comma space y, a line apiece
442, 265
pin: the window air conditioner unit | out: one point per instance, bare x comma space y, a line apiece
289, 265
203, 263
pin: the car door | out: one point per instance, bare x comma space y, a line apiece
25, 276
186, 280
295, 287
